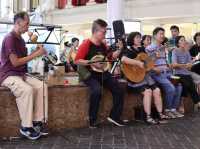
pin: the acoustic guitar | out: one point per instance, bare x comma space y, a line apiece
135, 73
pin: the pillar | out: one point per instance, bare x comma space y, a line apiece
115, 11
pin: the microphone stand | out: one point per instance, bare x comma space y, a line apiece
116, 63
43, 84
120, 55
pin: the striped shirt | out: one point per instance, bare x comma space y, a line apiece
160, 62
181, 57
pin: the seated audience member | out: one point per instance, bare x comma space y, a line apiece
195, 76
195, 53
165, 44
196, 79
148, 86
72, 52
69, 57
181, 62
146, 40
162, 74
171, 43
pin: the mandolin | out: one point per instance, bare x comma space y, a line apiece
135, 73
83, 71
103, 61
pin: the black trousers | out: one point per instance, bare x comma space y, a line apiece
189, 87
196, 68
95, 82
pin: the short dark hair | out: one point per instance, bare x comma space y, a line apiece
20, 15
98, 23
177, 40
174, 27
74, 39
144, 38
157, 29
131, 37
196, 35
67, 44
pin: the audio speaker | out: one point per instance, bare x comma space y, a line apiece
119, 30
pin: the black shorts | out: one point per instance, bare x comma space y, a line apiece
141, 89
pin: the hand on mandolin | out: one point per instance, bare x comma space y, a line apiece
39, 51
97, 65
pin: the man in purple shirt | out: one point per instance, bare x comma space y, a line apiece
28, 90
162, 73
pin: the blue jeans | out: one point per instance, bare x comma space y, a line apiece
172, 93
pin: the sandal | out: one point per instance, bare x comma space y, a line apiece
151, 121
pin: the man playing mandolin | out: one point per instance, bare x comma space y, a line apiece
96, 74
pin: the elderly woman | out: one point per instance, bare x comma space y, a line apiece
182, 63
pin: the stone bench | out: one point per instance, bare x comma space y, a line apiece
68, 108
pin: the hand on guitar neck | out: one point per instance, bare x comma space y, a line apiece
119, 46
140, 64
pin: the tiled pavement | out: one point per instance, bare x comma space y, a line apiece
177, 134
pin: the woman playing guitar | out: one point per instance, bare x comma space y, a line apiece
147, 86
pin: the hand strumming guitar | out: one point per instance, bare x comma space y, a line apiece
140, 64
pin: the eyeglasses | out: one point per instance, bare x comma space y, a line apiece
103, 31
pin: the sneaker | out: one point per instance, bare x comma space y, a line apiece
125, 121
119, 123
40, 128
197, 107
93, 125
170, 114
163, 116
30, 133
177, 114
